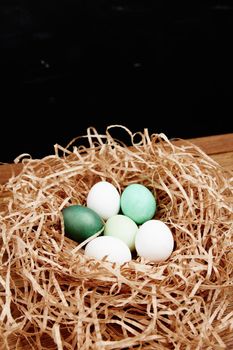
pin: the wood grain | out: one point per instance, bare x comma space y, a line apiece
219, 147
216, 144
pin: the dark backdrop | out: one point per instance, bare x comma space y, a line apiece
67, 65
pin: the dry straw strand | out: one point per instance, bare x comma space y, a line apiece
52, 296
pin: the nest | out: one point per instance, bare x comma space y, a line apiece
52, 296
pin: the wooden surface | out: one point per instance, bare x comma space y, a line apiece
219, 147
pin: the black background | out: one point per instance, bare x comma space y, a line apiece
68, 65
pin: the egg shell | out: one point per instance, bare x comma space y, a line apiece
113, 248
104, 199
122, 227
138, 203
154, 241
81, 222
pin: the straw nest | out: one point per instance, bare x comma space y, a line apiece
54, 297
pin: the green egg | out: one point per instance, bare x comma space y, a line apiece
138, 203
122, 227
81, 222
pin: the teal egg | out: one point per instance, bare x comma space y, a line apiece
81, 222
138, 203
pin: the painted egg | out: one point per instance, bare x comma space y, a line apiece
154, 241
138, 203
81, 222
122, 227
104, 199
112, 248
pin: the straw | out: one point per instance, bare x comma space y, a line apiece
53, 296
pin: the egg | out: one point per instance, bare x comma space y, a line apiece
81, 222
114, 249
122, 227
154, 241
104, 199
138, 203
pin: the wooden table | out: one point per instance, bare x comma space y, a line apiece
219, 147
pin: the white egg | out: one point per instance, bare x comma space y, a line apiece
104, 199
113, 248
154, 241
